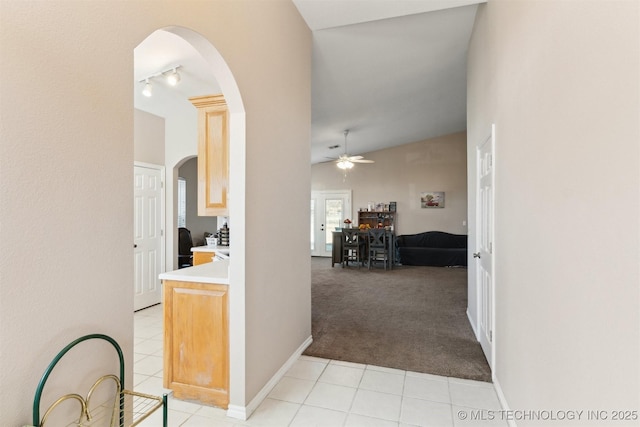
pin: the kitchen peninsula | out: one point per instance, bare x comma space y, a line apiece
196, 332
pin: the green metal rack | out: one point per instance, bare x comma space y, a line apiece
126, 408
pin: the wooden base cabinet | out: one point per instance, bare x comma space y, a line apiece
202, 257
196, 342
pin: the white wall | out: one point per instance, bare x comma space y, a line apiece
66, 156
560, 81
148, 138
400, 174
181, 144
276, 86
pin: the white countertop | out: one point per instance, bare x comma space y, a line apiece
210, 272
218, 249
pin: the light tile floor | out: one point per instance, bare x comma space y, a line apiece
328, 393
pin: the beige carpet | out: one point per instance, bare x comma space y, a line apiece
411, 318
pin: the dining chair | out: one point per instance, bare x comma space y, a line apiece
352, 247
378, 247
185, 243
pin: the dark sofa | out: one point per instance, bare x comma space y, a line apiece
433, 248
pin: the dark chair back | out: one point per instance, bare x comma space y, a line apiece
377, 238
185, 243
378, 247
352, 246
350, 237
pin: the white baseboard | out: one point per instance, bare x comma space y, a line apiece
237, 412
244, 412
473, 326
502, 399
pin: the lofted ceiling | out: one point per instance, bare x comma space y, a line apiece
391, 71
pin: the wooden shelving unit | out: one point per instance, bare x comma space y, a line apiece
375, 218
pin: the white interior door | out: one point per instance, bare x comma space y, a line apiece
328, 210
148, 240
484, 253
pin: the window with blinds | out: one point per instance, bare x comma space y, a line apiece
182, 202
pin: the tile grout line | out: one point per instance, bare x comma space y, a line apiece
453, 421
307, 396
404, 386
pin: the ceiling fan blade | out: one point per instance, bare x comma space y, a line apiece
362, 161
355, 157
329, 159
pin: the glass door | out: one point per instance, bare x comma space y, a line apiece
328, 210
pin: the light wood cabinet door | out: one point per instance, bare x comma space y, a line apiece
202, 257
213, 155
196, 342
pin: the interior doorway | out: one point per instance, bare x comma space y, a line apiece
199, 62
485, 199
148, 230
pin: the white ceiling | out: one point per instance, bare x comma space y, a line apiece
391, 71
163, 50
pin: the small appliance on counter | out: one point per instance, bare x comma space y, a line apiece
223, 235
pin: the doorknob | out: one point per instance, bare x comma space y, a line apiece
135, 246
476, 255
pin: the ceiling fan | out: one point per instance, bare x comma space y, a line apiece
345, 161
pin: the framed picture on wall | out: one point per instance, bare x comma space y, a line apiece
432, 199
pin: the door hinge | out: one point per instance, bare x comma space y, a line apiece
161, 233
490, 336
161, 184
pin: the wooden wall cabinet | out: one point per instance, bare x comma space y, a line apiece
196, 341
213, 155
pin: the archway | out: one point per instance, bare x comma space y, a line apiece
180, 143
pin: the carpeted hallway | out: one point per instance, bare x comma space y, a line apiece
411, 318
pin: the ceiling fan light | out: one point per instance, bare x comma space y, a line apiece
173, 78
148, 89
345, 164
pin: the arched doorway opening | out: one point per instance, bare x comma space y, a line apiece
203, 71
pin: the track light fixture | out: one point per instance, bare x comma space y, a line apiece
170, 74
148, 89
173, 77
